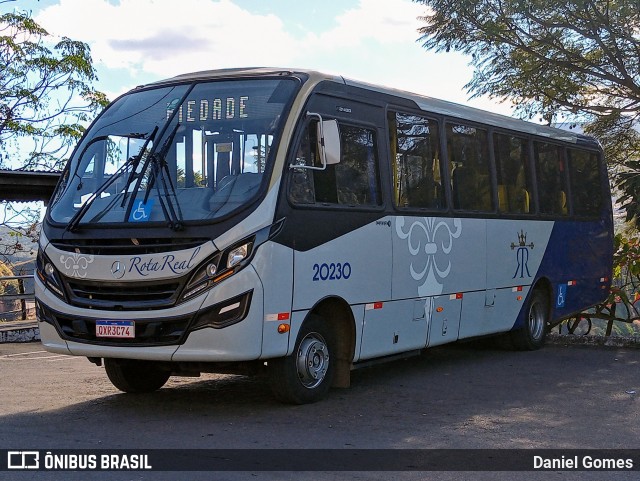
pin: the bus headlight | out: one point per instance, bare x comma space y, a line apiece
237, 255
202, 279
211, 269
49, 270
218, 268
48, 274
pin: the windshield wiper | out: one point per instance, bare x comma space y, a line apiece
174, 218
161, 179
131, 161
136, 162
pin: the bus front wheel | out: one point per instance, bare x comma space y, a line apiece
135, 376
532, 335
306, 375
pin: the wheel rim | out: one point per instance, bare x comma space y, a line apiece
536, 321
313, 360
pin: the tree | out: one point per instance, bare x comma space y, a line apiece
46, 100
578, 60
46, 93
18, 230
7, 287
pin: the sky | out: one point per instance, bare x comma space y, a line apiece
138, 41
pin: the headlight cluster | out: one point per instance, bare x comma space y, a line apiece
218, 267
49, 275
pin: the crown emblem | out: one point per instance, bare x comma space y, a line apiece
522, 237
522, 241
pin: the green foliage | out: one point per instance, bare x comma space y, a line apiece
619, 138
578, 59
7, 287
628, 183
579, 56
198, 180
46, 92
626, 263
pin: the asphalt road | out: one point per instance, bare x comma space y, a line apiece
468, 396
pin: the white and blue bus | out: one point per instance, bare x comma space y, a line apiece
301, 225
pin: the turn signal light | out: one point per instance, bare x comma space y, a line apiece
223, 276
283, 328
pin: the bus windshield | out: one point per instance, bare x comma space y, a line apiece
174, 154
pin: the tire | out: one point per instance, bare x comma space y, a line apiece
135, 376
533, 334
305, 376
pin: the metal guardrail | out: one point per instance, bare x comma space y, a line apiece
618, 308
23, 296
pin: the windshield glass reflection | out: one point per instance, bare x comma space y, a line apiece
174, 154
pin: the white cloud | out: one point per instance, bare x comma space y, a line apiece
167, 37
378, 42
388, 22
375, 41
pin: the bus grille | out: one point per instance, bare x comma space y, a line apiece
120, 296
126, 246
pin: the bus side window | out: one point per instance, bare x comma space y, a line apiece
302, 185
415, 161
552, 181
514, 179
468, 151
312, 186
354, 181
356, 175
584, 175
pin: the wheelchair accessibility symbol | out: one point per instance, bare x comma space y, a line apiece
141, 212
562, 295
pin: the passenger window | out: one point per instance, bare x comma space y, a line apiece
352, 182
586, 185
302, 185
357, 174
515, 185
469, 166
552, 181
415, 158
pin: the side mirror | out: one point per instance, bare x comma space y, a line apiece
329, 140
328, 135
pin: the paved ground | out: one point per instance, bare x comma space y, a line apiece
463, 397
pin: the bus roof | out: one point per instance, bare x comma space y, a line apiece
427, 104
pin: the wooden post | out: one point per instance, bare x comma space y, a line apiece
23, 301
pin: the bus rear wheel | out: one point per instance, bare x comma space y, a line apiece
306, 375
532, 335
134, 376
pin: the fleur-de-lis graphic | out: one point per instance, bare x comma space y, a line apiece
430, 240
76, 264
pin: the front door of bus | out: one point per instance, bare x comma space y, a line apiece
334, 223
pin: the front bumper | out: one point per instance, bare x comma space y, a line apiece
174, 334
